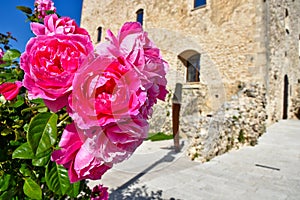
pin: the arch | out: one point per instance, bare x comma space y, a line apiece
177, 43
191, 60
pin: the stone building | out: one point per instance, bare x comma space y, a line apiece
236, 60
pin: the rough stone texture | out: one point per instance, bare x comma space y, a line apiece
241, 42
238, 122
296, 102
283, 31
225, 48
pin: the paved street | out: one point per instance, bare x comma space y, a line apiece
270, 170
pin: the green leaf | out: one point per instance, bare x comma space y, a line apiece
26, 127
73, 191
23, 152
15, 143
42, 161
30, 109
19, 102
49, 12
4, 65
57, 178
159, 136
7, 195
4, 182
32, 189
24, 9
25, 171
38, 101
11, 54
42, 132
41, 110
6, 132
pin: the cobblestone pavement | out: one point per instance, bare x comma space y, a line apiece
270, 170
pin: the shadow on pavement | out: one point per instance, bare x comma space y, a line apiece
128, 191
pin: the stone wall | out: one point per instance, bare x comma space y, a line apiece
282, 20
238, 122
296, 102
225, 33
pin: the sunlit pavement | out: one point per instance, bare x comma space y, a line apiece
270, 170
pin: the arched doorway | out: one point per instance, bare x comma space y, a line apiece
285, 97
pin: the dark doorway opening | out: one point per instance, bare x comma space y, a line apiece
285, 97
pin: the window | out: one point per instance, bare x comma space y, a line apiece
198, 3
139, 16
193, 68
191, 60
99, 34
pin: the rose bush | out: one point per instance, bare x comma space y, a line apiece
29, 132
108, 93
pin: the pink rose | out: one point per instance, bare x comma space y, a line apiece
1, 55
54, 25
115, 142
42, 6
105, 91
99, 193
106, 102
155, 70
74, 157
10, 90
133, 45
49, 64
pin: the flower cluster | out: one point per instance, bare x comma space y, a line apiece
42, 7
112, 98
108, 91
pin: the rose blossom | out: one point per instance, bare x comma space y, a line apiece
10, 90
115, 142
133, 45
105, 91
49, 64
106, 100
42, 6
99, 193
54, 25
74, 157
